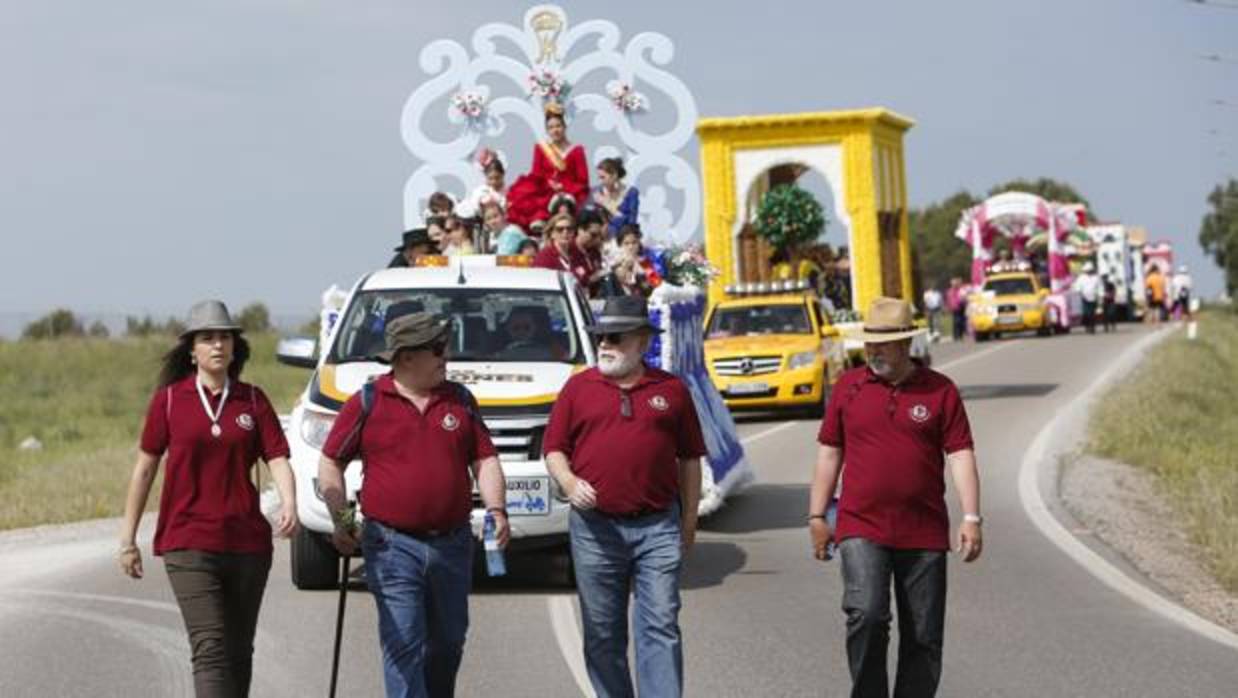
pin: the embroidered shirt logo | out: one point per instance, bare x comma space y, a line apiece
919, 413
450, 423
245, 421
659, 403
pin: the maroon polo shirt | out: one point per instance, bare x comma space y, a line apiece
416, 464
632, 462
893, 439
208, 500
549, 258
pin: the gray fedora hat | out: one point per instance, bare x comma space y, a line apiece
410, 331
623, 314
209, 315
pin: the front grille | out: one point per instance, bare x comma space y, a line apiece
518, 439
1007, 308
753, 396
747, 365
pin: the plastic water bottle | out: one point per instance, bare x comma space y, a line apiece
495, 566
831, 518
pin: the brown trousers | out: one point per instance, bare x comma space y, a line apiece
219, 595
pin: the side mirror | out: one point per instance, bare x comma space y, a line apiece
297, 351
1044, 293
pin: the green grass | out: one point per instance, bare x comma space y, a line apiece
85, 400
1176, 417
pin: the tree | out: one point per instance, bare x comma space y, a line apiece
61, 322
98, 330
1218, 233
255, 318
789, 217
937, 253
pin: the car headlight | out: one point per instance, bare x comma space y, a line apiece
315, 426
801, 359
1029, 307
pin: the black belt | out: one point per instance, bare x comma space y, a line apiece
629, 515
424, 534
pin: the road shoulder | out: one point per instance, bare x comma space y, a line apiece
1119, 504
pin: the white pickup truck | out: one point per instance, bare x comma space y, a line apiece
517, 335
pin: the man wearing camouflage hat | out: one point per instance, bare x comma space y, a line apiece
422, 434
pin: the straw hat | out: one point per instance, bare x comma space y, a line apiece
887, 320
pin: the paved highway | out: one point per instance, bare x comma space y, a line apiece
761, 617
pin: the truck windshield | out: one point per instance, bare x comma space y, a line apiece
743, 321
1010, 287
486, 324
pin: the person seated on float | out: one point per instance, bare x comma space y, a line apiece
441, 204
507, 236
561, 203
436, 228
589, 243
459, 237
619, 203
494, 188
416, 243
528, 248
634, 271
558, 167
562, 254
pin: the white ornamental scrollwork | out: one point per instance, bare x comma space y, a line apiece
443, 138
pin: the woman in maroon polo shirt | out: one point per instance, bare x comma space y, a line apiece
562, 254
214, 539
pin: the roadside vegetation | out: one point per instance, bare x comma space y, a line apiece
83, 398
1175, 417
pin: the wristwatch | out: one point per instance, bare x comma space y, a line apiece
974, 518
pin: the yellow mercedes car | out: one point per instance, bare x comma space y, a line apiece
772, 352
1012, 301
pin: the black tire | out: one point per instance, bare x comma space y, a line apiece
982, 337
315, 562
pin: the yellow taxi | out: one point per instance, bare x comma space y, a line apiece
1009, 301
772, 351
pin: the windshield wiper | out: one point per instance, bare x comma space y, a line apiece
354, 360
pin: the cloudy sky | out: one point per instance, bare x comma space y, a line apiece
155, 153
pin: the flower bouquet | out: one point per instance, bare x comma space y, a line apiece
548, 85
687, 266
625, 98
469, 103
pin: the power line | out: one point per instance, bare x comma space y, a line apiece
1214, 3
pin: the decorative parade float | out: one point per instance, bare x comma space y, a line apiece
627, 102
1028, 223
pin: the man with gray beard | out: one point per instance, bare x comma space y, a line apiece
625, 445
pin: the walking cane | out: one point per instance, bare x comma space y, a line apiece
345, 564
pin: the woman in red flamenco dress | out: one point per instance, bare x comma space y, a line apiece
558, 168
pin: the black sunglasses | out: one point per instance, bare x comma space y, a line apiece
615, 338
437, 348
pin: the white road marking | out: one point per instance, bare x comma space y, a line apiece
566, 629
1075, 412
563, 618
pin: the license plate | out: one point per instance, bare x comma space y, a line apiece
1010, 320
747, 388
528, 496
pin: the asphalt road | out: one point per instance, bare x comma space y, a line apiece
761, 617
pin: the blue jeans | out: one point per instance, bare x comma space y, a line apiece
421, 587
612, 556
919, 578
